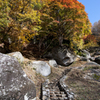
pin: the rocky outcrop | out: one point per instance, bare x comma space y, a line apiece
63, 56
85, 56
14, 83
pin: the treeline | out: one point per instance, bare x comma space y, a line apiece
49, 22
96, 30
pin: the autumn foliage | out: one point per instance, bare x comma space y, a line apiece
52, 21
65, 19
19, 23
90, 40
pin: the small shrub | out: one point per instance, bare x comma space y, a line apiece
90, 41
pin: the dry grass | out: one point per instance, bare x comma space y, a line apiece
55, 74
39, 79
84, 89
78, 64
36, 78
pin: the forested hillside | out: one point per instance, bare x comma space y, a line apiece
48, 23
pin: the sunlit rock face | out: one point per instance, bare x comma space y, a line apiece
17, 55
63, 56
53, 63
14, 83
42, 68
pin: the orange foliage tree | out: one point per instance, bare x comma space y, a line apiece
64, 19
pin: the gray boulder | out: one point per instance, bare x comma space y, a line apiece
53, 63
63, 56
87, 54
42, 68
14, 84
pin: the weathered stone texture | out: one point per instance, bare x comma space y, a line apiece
14, 84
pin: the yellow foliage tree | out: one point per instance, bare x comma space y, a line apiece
23, 23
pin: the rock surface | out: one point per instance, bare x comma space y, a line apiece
14, 84
88, 56
42, 68
53, 63
85, 56
17, 55
63, 56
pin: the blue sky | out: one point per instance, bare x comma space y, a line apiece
92, 7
